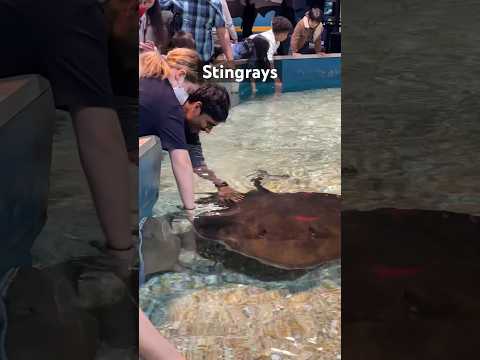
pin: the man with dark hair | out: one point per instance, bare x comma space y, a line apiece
205, 108
207, 103
248, 18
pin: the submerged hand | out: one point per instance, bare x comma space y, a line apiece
189, 213
228, 195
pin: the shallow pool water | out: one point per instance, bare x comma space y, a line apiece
295, 138
212, 312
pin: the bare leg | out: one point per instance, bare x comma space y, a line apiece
104, 160
152, 345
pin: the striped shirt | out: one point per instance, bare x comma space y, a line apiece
199, 18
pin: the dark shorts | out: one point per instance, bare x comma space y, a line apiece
64, 41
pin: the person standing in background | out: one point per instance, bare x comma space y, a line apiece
228, 23
248, 19
286, 11
199, 17
70, 44
164, 86
229, 26
152, 29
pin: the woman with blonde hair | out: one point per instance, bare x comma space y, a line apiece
165, 82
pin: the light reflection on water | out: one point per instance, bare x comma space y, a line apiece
297, 134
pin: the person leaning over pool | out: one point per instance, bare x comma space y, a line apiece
308, 28
163, 88
164, 85
204, 109
281, 27
81, 85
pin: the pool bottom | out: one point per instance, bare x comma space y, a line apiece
212, 312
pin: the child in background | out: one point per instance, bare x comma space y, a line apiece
309, 28
255, 50
281, 27
182, 39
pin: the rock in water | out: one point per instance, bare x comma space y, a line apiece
160, 246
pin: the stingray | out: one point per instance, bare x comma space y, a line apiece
401, 264
284, 230
410, 282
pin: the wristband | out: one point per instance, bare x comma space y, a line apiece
222, 184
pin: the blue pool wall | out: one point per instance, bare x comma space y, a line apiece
308, 72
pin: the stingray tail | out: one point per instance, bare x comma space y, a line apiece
257, 182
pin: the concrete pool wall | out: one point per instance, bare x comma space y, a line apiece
306, 72
150, 162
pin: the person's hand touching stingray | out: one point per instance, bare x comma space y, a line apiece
205, 108
226, 194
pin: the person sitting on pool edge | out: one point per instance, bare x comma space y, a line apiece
309, 28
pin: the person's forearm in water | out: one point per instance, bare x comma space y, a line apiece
152, 345
182, 169
208, 174
104, 160
199, 166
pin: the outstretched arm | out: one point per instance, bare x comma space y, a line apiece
225, 192
200, 167
182, 169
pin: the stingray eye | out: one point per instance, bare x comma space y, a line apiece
313, 233
262, 232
